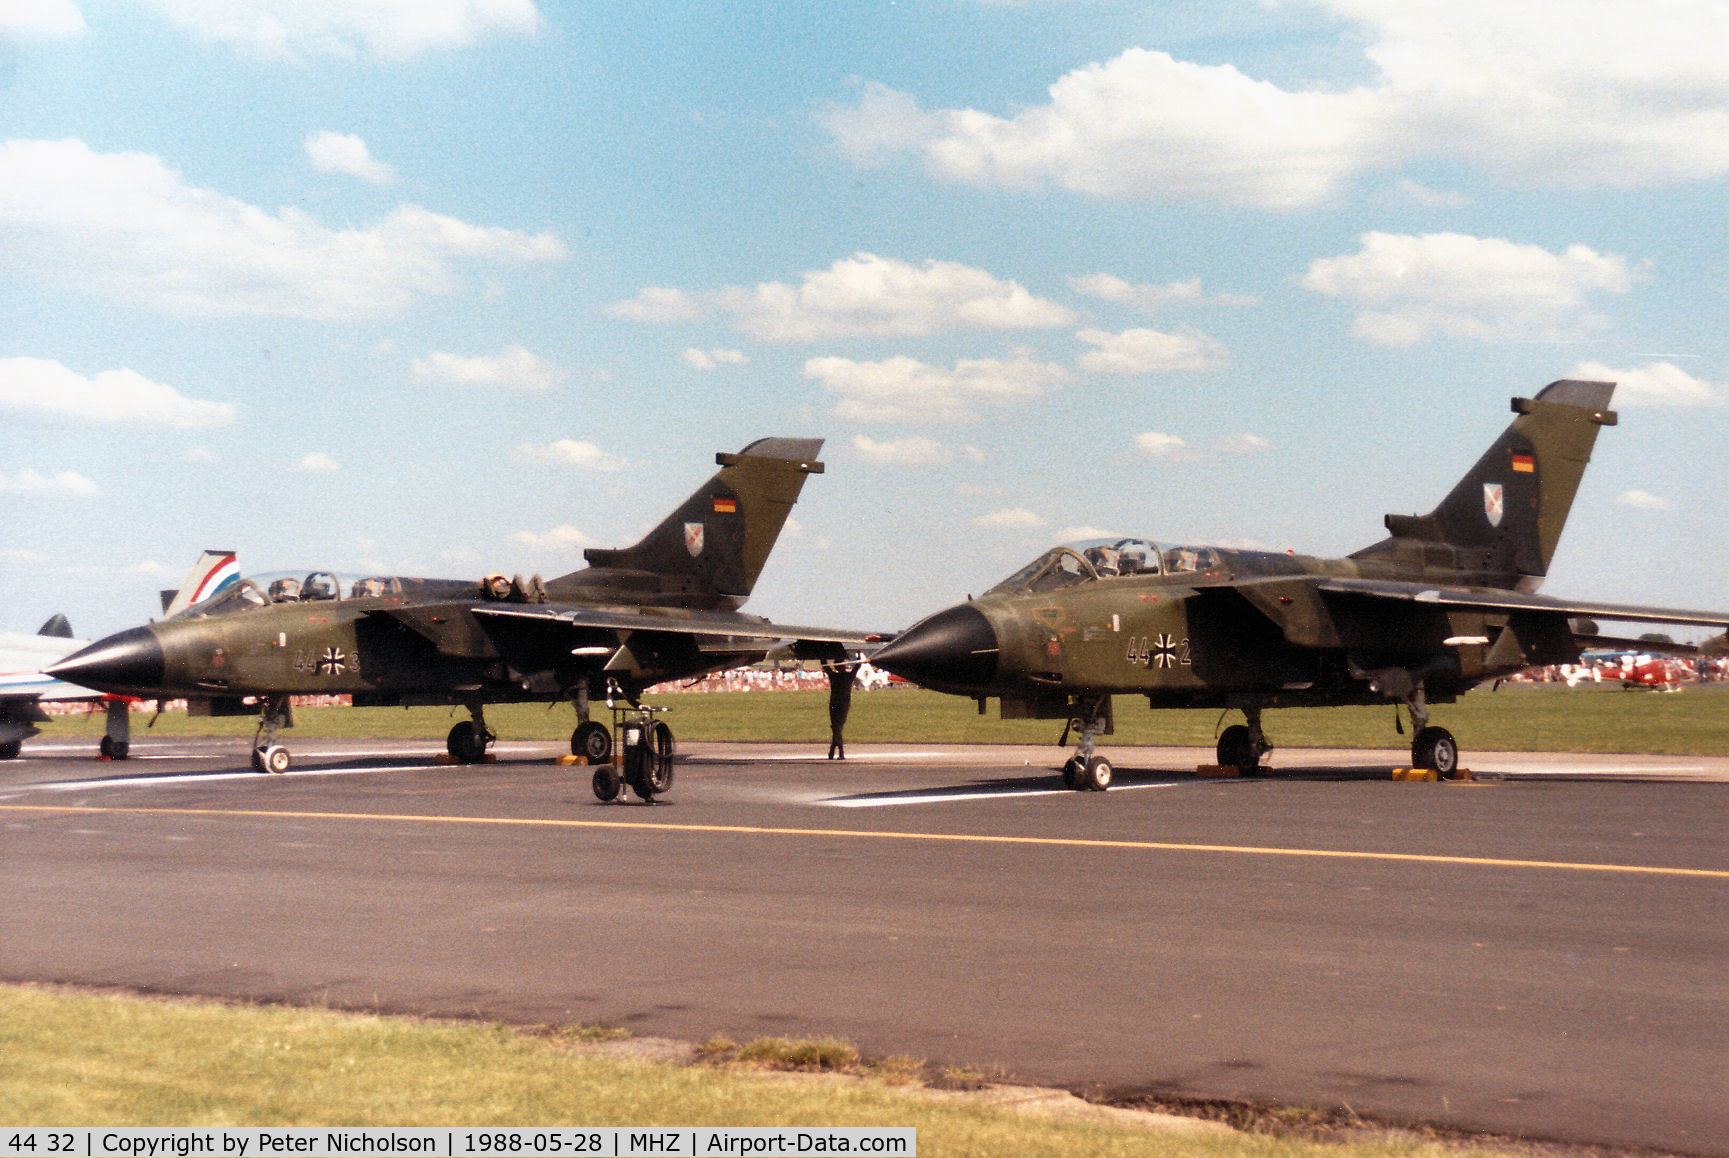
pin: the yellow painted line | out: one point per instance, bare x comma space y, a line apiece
870, 834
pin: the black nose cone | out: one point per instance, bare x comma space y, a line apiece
953, 650
125, 664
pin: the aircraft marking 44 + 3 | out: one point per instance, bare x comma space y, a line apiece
664, 609
1445, 602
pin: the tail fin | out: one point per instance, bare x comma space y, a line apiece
710, 550
57, 626
214, 571
1501, 522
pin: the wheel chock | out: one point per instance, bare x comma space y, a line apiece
567, 761
445, 758
1414, 774
1216, 771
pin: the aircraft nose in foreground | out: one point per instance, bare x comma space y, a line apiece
956, 648
127, 662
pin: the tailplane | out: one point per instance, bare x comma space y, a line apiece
709, 552
1501, 523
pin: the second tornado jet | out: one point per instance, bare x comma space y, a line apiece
664, 609
1444, 603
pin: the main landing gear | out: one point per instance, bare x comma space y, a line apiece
1241, 746
469, 739
117, 739
267, 754
1086, 771
644, 756
591, 741
1431, 747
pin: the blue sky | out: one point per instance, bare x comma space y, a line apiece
450, 286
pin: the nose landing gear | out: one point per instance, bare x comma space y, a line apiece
1087, 771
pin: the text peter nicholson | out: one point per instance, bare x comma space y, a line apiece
455, 1141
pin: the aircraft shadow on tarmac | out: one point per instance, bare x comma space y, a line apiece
1124, 778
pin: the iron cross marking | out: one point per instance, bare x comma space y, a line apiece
333, 662
1165, 651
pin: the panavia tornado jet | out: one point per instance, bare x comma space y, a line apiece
664, 609
1447, 601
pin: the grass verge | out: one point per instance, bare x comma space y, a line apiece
1595, 718
85, 1059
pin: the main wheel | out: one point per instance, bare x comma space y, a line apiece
1237, 750
1072, 772
465, 743
607, 783
1096, 776
276, 759
592, 741
10, 749
114, 749
1435, 748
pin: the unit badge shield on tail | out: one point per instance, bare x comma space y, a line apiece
1494, 502
693, 538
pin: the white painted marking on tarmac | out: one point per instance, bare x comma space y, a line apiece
860, 758
1612, 770
214, 777
1006, 794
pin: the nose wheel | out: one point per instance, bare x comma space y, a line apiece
1087, 771
267, 755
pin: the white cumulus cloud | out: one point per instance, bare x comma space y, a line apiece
1010, 519
1653, 384
512, 368
1408, 288
1170, 448
318, 463
64, 483
346, 153
705, 360
1149, 352
905, 390
914, 450
1643, 501
1166, 447
126, 224
569, 452
860, 296
41, 386
39, 19
563, 537
393, 29
1617, 94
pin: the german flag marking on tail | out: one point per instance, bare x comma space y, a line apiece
1524, 464
725, 506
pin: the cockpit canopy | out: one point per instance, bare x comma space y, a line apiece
294, 587
1097, 560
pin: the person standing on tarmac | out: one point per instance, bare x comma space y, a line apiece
841, 675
